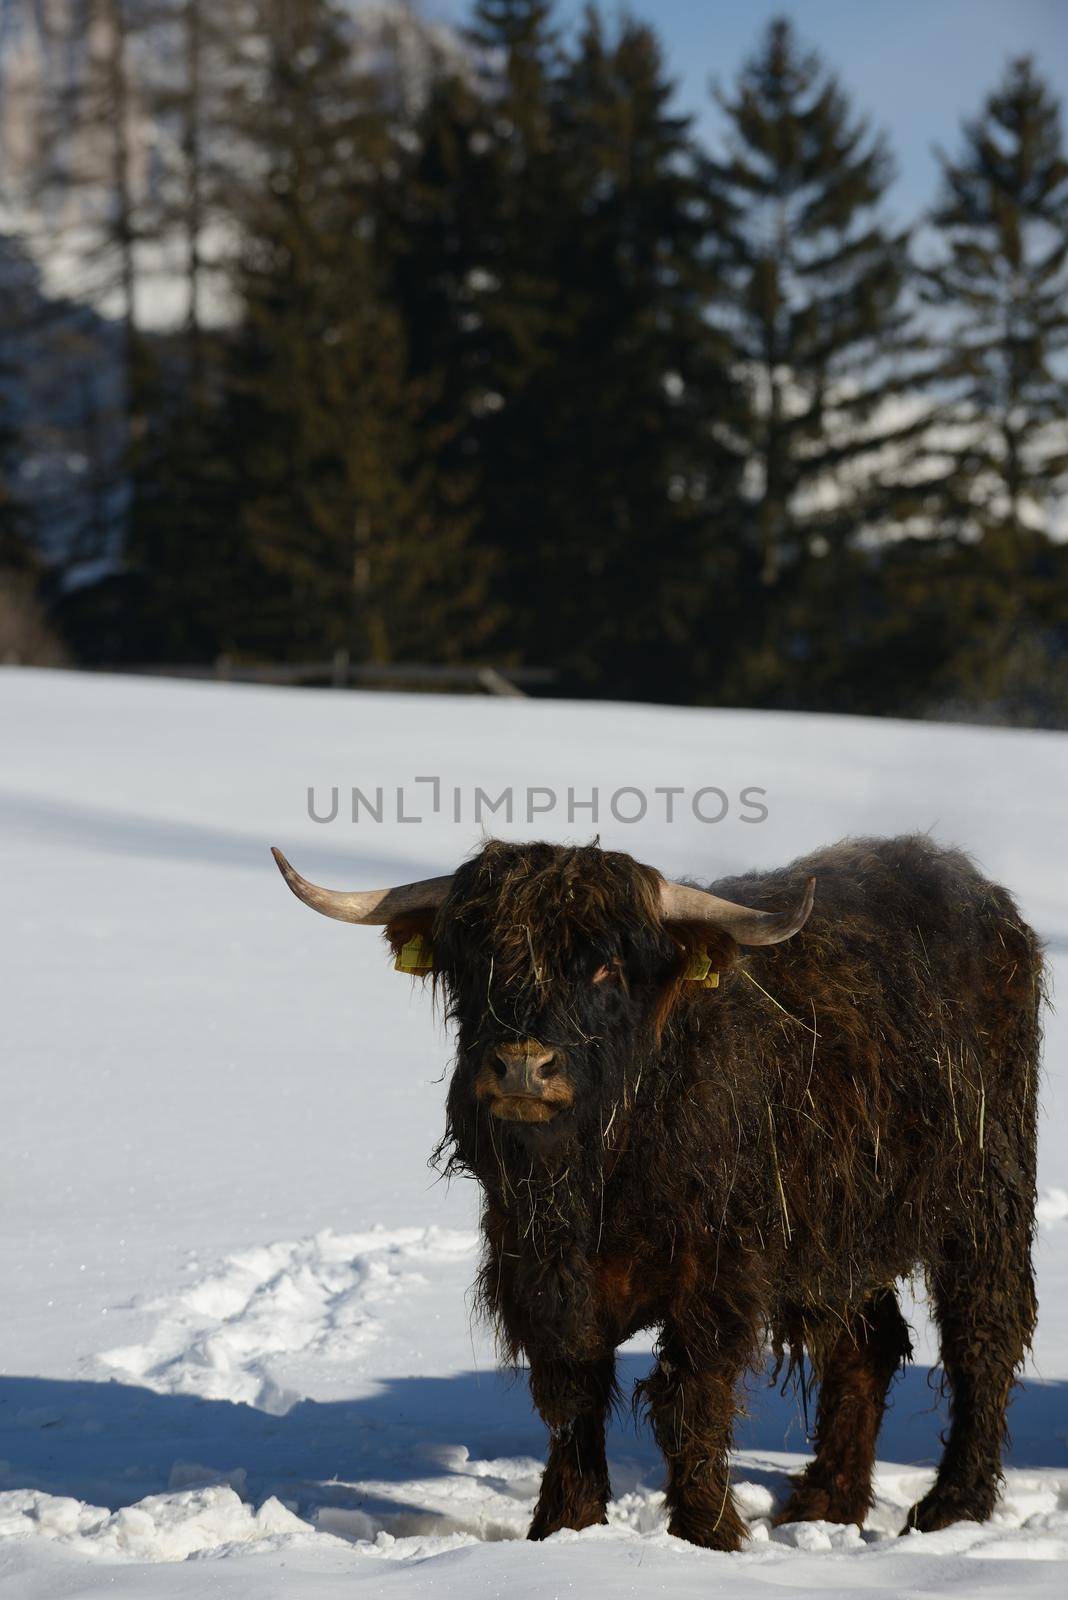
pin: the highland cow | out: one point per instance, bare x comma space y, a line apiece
708, 1113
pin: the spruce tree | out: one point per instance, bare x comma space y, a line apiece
815, 310
475, 227
995, 595
353, 548
14, 528
633, 408
91, 139
196, 73
183, 547
552, 276
998, 284
25, 635
15, 547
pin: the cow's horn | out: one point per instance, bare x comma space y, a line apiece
365, 905
683, 904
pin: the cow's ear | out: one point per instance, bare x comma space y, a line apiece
410, 937
703, 951
703, 954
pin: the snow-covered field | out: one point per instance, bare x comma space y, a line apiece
235, 1351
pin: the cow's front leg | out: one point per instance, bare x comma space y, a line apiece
574, 1398
692, 1405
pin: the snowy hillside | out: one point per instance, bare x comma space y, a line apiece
235, 1323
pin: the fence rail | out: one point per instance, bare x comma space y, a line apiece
339, 672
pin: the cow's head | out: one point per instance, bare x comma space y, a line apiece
560, 967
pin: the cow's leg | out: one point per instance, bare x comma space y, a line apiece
984, 1301
854, 1369
692, 1404
574, 1398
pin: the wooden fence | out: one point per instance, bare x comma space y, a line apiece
342, 673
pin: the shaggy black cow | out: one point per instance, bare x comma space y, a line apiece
688, 1115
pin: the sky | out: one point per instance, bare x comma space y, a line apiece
916, 67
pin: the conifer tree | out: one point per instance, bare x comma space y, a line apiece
15, 548
522, 32
475, 260
518, 306
985, 610
187, 582
96, 164
25, 636
355, 550
13, 521
816, 312
193, 80
634, 405
999, 287
91, 179
553, 280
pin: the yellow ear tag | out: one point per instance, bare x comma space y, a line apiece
697, 971
416, 957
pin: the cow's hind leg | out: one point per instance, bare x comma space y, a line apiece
984, 1301
855, 1369
574, 1399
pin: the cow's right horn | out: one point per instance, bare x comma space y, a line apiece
373, 906
745, 924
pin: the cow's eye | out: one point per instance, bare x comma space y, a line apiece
610, 969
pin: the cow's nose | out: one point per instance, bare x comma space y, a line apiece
523, 1068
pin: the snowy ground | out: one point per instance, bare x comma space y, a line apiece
235, 1356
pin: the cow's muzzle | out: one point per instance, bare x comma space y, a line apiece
524, 1082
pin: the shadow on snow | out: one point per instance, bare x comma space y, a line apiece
111, 1443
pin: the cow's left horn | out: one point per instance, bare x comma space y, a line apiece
377, 906
684, 904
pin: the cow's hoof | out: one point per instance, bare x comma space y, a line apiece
724, 1533
543, 1526
814, 1502
941, 1508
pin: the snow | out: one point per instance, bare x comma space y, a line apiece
236, 1356
222, 1335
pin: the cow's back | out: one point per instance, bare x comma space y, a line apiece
896, 1051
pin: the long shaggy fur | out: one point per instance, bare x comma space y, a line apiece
761, 1161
